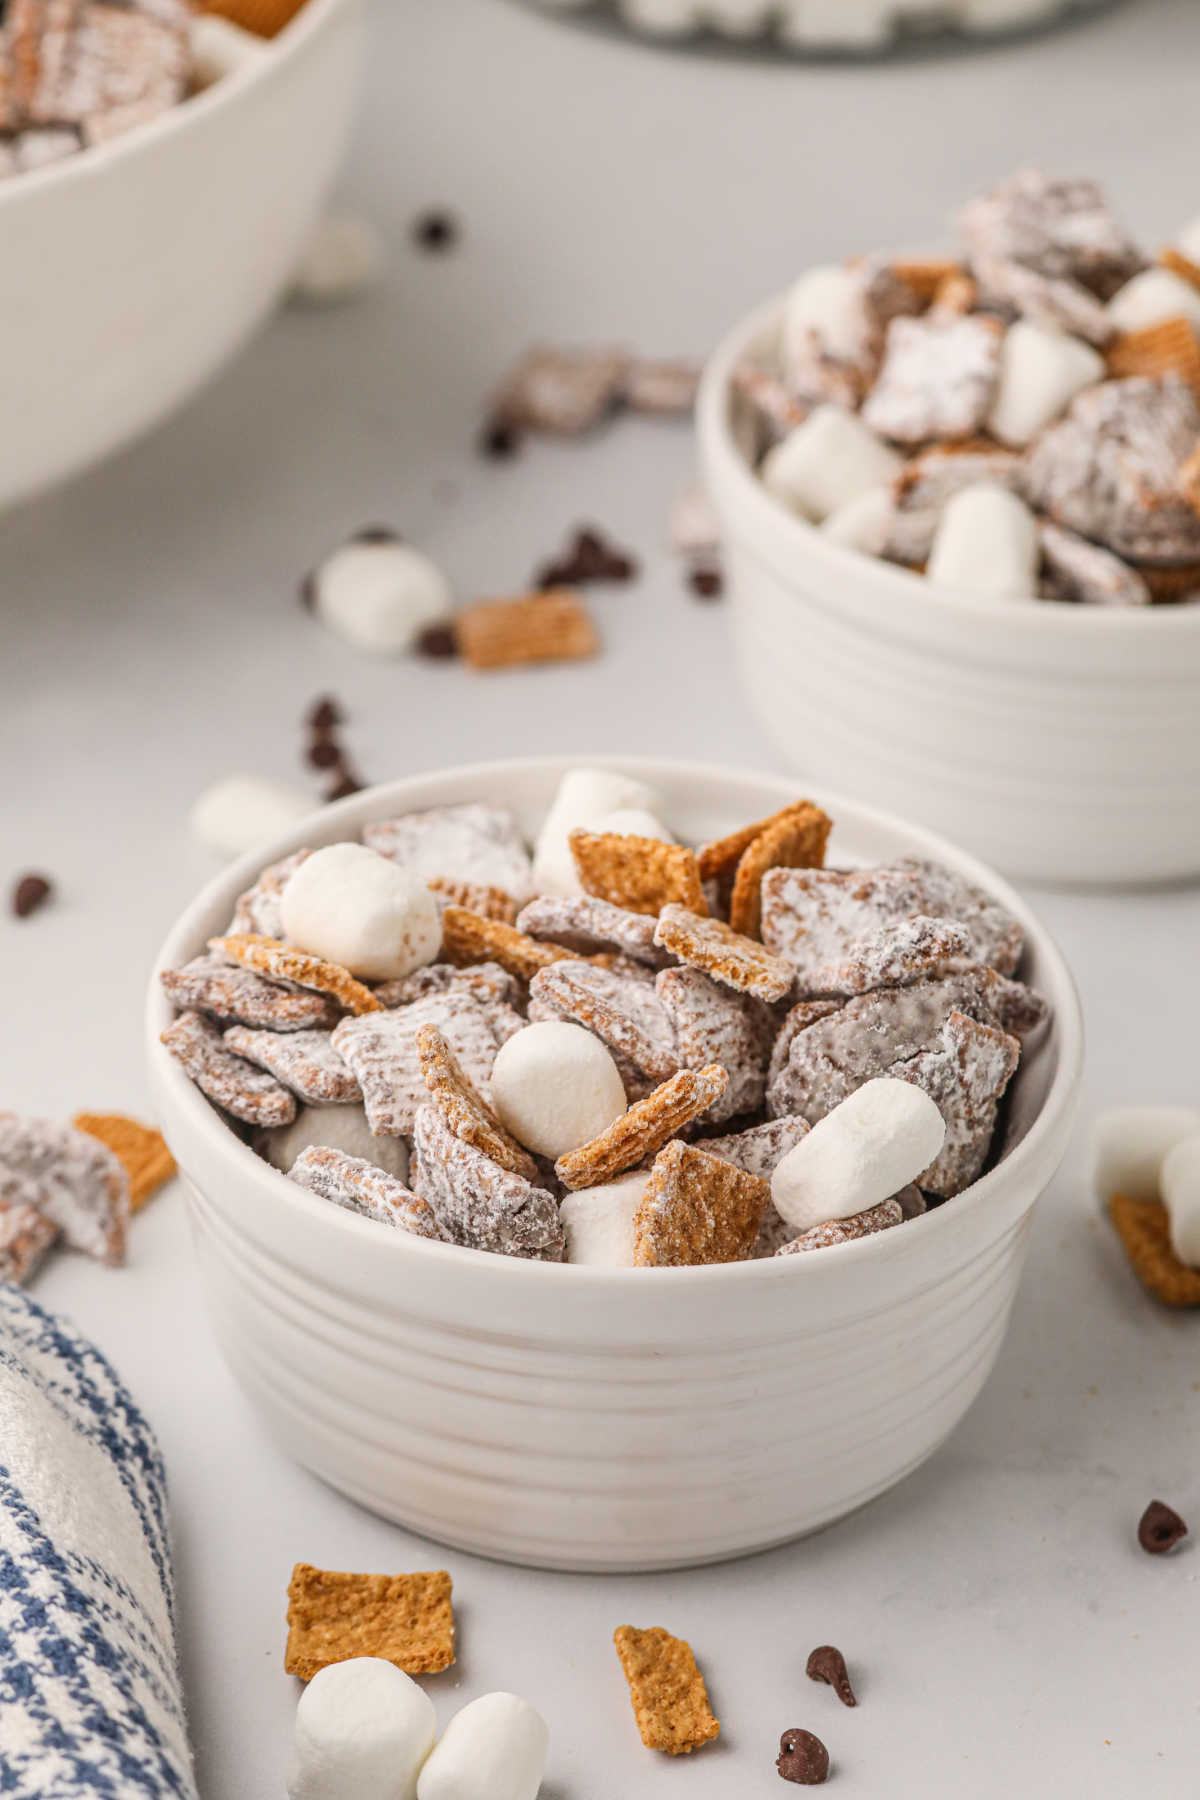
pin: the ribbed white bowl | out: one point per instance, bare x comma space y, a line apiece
581, 1418
1061, 743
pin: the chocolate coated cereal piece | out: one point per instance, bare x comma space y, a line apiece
802, 1758
937, 380
638, 874
713, 1025
403, 1619
25, 1237
583, 924
1087, 573
71, 1179
763, 410
260, 908
729, 957
29, 893
621, 1010
760, 1148
486, 982
553, 626
465, 1111
1063, 304
1160, 1528
382, 1051
364, 1188
280, 962
230, 1081
827, 1664
210, 985
473, 843
844, 1231
638, 1133
476, 1202
965, 1073
895, 954
564, 392
304, 1061
670, 1700
1059, 227
697, 1208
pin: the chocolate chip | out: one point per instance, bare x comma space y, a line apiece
589, 558
324, 753
1160, 1528
828, 1664
706, 582
435, 231
346, 784
308, 592
324, 714
500, 439
439, 641
377, 534
30, 892
802, 1758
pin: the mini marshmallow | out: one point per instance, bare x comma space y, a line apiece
363, 1732
634, 821
825, 305
555, 1086
863, 523
494, 1749
219, 48
598, 1222
828, 461
1041, 371
334, 1128
342, 259
1179, 1179
380, 594
1130, 1143
354, 907
1187, 241
243, 811
878, 1140
1154, 295
986, 543
584, 797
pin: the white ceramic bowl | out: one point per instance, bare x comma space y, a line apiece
583, 1418
1061, 743
132, 271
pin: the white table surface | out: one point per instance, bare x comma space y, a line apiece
1005, 1629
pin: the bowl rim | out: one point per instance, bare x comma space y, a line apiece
932, 602
241, 1164
313, 17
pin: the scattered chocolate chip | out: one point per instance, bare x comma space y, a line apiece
1160, 1528
802, 1758
436, 231
706, 582
324, 714
346, 784
439, 641
829, 1665
308, 592
30, 892
500, 439
589, 558
324, 753
377, 534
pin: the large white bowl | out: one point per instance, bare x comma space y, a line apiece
1061, 743
132, 271
583, 1418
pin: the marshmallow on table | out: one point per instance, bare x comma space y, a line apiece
878, 1140
693, 529
354, 907
584, 798
379, 594
332, 1127
494, 1749
598, 1222
555, 1087
1041, 371
1179, 1180
363, 1732
1130, 1143
243, 811
1154, 295
828, 461
863, 523
341, 260
986, 543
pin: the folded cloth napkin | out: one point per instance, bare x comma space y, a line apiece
90, 1700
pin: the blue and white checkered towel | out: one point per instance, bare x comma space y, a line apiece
90, 1701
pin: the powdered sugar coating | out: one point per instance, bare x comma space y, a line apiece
1059, 227
209, 984
588, 925
480, 845
844, 1231
486, 982
364, 1188
71, 1179
1047, 299
715, 1025
965, 1074
624, 1012
25, 1237
937, 379
1087, 573
230, 1082
565, 392
304, 1061
761, 1148
476, 1202
260, 909
381, 1049
895, 953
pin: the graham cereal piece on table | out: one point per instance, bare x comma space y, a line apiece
714, 1025
563, 392
1056, 301
638, 874
476, 1202
364, 1188
619, 1008
1059, 227
260, 909
641, 1131
664, 388
486, 982
1144, 1229
407, 1620
670, 1700
844, 1231
280, 962
1087, 573
938, 376
466, 1113
554, 626
265, 18
140, 1149
587, 926
1180, 265
697, 1208
484, 902
1169, 348
469, 938
381, 1050
25, 1238
72, 1179
479, 845
727, 955
795, 842
209, 984
230, 1082
304, 1061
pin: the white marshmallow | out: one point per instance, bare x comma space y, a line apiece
1130, 1143
354, 907
334, 1128
243, 811
342, 259
878, 1140
363, 1732
1180, 1183
556, 1086
1152, 296
692, 528
379, 595
598, 1222
863, 523
634, 821
494, 1749
219, 48
986, 543
584, 797
826, 305
828, 461
1187, 241
1041, 371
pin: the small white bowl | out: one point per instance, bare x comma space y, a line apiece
583, 1418
132, 271
1061, 743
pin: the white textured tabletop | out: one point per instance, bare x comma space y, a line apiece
1007, 1632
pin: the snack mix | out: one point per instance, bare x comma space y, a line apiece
1021, 420
615, 1049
